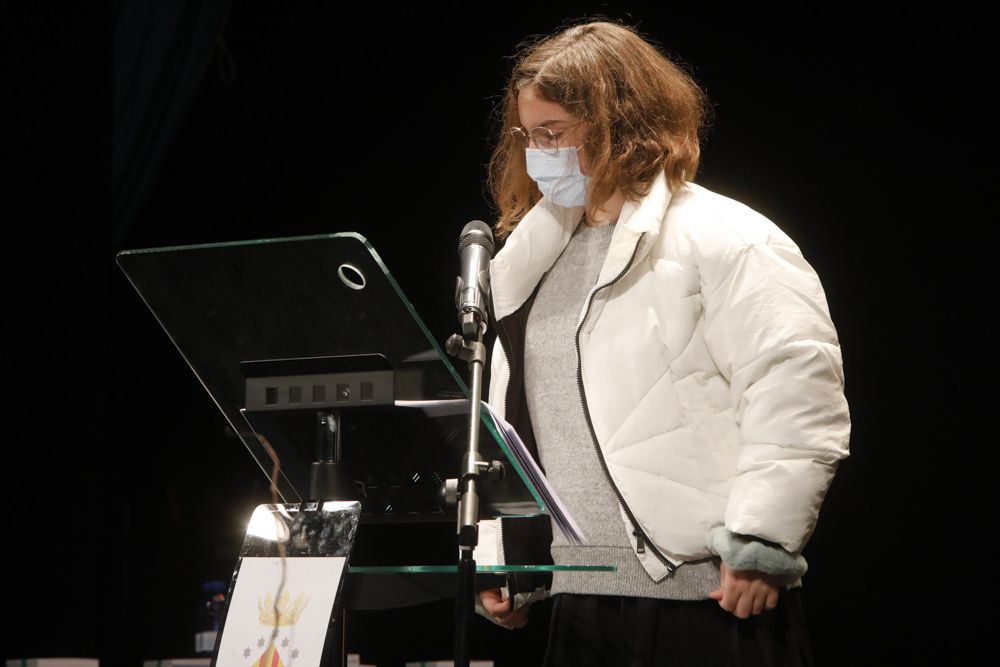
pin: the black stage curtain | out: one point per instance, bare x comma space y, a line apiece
161, 51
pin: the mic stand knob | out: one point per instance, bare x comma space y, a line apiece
448, 494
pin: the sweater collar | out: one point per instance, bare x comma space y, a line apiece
541, 236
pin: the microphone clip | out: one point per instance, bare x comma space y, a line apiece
466, 350
473, 315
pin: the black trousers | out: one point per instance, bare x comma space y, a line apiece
611, 631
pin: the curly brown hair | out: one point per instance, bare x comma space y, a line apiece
642, 112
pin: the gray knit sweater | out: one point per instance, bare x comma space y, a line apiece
566, 448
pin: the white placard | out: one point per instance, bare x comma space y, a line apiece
304, 607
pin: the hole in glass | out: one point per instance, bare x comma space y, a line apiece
351, 276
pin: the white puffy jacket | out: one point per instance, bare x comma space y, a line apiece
710, 368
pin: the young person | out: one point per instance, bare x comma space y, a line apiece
668, 356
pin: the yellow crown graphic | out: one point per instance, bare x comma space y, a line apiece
282, 613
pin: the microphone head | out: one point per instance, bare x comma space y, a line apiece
478, 233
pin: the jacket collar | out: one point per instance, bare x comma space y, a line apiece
541, 236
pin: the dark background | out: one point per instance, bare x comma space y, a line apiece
863, 133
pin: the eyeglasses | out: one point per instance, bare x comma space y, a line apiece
545, 139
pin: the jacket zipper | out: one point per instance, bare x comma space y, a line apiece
640, 536
505, 345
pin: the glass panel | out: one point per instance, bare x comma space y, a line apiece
332, 530
285, 332
444, 569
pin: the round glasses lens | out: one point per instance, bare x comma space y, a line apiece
544, 139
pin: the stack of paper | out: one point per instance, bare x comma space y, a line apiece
553, 506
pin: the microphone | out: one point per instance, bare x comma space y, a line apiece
475, 248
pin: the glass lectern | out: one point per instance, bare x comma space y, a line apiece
282, 330
311, 350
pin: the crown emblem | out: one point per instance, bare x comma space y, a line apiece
282, 613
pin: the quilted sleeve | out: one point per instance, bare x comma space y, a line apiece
769, 330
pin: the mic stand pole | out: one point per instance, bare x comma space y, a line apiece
474, 352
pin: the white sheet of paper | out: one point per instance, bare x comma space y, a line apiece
305, 604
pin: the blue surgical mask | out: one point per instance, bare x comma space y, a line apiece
558, 175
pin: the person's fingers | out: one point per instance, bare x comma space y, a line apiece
517, 618
499, 608
743, 605
759, 600
719, 593
491, 599
730, 596
745, 593
494, 602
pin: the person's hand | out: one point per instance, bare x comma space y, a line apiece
499, 608
745, 592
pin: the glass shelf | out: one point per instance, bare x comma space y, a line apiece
486, 569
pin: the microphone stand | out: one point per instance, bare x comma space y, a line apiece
475, 248
472, 351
